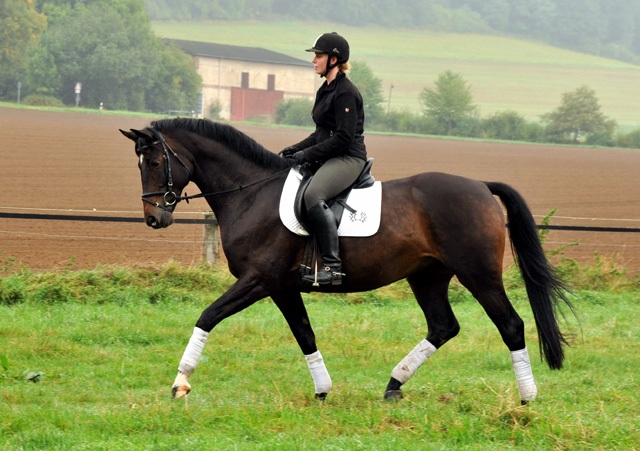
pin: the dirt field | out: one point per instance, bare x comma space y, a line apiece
68, 163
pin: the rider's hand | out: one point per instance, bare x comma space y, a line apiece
288, 151
298, 157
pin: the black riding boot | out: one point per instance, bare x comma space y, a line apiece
324, 227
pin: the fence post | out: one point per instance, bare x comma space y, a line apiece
211, 240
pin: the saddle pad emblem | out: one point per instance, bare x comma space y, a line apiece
367, 203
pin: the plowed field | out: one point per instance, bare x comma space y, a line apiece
77, 163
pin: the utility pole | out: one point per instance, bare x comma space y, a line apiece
389, 103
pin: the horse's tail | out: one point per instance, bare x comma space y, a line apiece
545, 287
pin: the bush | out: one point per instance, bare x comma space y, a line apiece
42, 100
294, 112
630, 140
602, 139
534, 132
507, 125
468, 127
402, 121
214, 111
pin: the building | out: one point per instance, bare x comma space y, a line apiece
247, 82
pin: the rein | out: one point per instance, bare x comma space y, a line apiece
170, 197
232, 190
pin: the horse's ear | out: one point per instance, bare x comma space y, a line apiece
135, 135
129, 135
143, 134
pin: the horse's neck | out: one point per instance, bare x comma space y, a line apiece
227, 176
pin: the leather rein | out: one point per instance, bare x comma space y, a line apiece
170, 198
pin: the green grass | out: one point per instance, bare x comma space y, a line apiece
87, 359
504, 73
80, 110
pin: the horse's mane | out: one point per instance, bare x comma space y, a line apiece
234, 139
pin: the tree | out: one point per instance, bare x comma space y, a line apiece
110, 47
21, 27
176, 84
91, 45
370, 87
450, 102
578, 115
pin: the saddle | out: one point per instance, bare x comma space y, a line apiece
339, 203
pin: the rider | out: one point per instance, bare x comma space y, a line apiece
337, 145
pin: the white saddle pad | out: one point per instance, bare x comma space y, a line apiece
366, 201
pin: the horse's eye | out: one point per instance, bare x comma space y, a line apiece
154, 164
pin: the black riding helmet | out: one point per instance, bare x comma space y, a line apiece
334, 45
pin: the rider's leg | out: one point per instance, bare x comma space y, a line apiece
333, 177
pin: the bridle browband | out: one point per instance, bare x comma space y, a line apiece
169, 196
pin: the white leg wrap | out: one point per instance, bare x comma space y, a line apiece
524, 375
319, 372
407, 366
192, 354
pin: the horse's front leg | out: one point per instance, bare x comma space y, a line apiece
241, 295
293, 309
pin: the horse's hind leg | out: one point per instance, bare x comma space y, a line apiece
292, 308
430, 287
489, 291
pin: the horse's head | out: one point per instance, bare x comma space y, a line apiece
164, 175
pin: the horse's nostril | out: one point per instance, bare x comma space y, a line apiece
152, 221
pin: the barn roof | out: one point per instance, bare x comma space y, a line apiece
234, 52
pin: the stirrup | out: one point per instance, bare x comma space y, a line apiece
330, 277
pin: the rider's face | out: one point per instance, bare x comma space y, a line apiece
320, 63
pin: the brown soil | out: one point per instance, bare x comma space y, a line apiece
79, 162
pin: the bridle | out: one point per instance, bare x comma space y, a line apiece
170, 198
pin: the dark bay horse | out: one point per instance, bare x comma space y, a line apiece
434, 226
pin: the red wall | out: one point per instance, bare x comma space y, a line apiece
247, 103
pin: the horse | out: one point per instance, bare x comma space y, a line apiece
434, 226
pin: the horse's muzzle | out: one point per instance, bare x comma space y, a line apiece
159, 219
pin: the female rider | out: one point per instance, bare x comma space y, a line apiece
337, 145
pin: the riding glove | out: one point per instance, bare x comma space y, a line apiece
288, 151
298, 157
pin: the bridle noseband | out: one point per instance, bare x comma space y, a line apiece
169, 196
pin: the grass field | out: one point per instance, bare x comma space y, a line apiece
504, 73
87, 359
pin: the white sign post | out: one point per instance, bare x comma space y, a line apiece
78, 89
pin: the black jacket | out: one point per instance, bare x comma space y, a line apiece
339, 117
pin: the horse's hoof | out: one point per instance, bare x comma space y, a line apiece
321, 396
178, 391
391, 395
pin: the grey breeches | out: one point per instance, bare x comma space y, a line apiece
333, 177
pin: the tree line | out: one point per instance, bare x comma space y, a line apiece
609, 28
448, 110
107, 45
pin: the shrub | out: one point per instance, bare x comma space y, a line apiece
631, 140
42, 100
507, 125
12, 291
402, 121
294, 112
214, 110
602, 139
